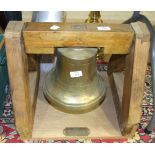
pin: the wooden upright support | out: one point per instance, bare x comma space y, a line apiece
136, 63
128, 98
18, 74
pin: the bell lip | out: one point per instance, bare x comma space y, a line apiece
75, 110
70, 109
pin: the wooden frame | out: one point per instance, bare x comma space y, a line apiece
23, 39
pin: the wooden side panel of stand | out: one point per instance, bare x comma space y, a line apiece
128, 93
136, 63
116, 63
19, 80
34, 85
116, 66
116, 80
33, 62
40, 39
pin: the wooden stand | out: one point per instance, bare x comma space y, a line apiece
116, 117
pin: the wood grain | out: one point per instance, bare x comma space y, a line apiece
38, 38
136, 63
18, 75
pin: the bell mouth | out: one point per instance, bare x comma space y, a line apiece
58, 96
73, 110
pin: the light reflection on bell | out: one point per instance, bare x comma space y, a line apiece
74, 86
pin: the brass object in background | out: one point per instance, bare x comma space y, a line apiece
74, 85
95, 17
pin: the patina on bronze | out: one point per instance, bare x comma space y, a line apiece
74, 85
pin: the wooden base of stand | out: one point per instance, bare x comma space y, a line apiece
50, 122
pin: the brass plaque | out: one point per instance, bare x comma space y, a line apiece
76, 131
79, 27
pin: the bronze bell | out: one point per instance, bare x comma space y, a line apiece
74, 85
